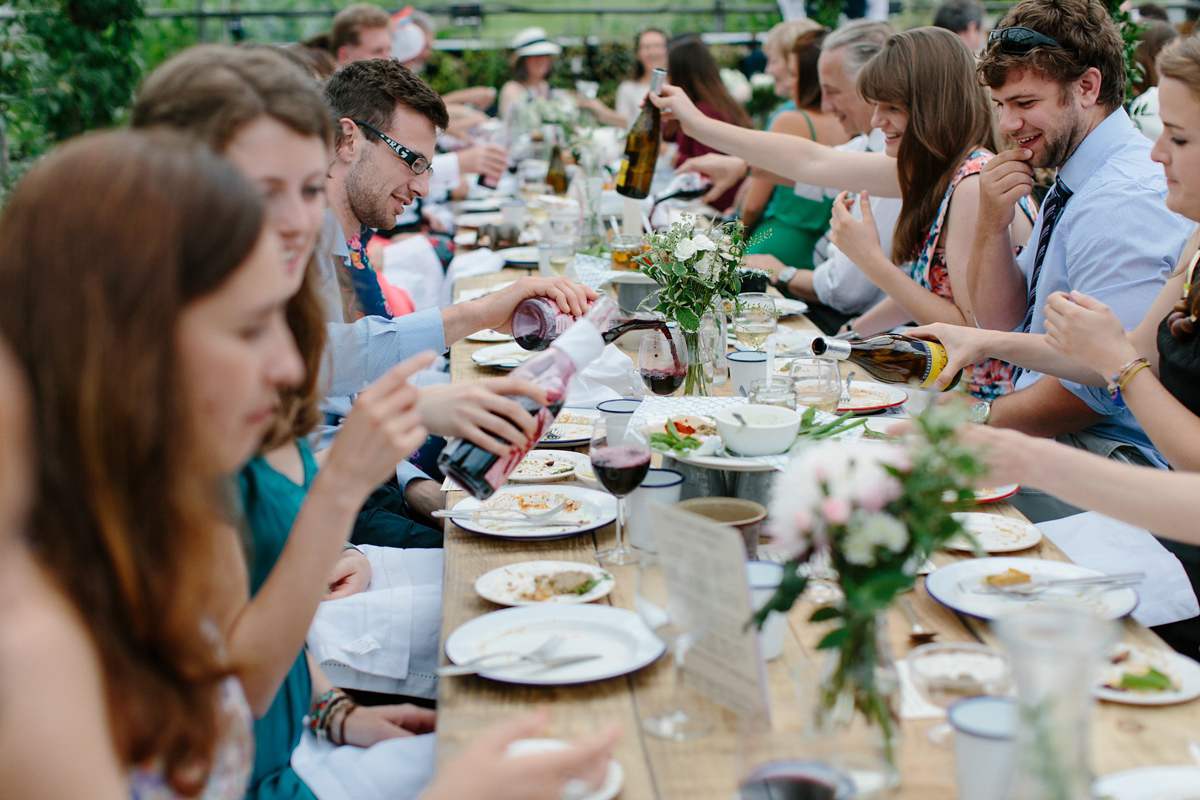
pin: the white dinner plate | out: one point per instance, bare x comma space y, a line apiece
587, 510
995, 534
618, 636
482, 291
1183, 671
868, 396
479, 219
509, 355
552, 202
545, 466
1150, 783
489, 335
787, 307
511, 585
613, 780
479, 204
519, 256
788, 342
572, 428
959, 586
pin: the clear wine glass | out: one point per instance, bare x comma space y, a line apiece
620, 458
679, 623
663, 360
754, 319
818, 383
946, 672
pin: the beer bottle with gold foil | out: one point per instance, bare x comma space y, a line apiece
641, 146
891, 358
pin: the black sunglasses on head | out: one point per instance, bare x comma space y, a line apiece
1019, 41
418, 162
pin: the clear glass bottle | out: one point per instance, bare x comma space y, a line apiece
482, 472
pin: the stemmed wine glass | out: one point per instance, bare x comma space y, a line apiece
679, 622
663, 360
620, 458
946, 672
754, 319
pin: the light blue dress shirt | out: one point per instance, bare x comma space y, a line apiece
1114, 240
359, 353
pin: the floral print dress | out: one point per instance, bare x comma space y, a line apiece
991, 377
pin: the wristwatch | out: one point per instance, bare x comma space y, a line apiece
980, 413
785, 276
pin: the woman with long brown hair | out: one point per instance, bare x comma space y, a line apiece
939, 133
692, 69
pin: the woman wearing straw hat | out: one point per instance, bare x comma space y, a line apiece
532, 58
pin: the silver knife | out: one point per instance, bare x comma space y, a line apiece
453, 671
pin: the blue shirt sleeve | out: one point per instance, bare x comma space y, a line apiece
361, 352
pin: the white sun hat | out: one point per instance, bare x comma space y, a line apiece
533, 42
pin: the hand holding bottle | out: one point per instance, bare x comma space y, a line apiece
480, 411
964, 346
674, 103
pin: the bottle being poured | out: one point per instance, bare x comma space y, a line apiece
481, 472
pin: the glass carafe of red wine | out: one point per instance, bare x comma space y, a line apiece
620, 458
663, 360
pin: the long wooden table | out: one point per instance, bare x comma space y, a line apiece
1123, 737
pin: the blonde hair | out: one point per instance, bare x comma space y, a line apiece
782, 38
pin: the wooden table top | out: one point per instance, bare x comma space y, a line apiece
1123, 737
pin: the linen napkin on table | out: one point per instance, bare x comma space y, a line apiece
912, 704
1101, 543
477, 262
607, 378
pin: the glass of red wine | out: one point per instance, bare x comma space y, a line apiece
620, 458
776, 760
663, 360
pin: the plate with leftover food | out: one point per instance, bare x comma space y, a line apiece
1150, 783
544, 466
572, 428
586, 510
501, 356
867, 396
524, 256
989, 494
544, 582
994, 533
787, 307
1139, 675
969, 587
489, 335
617, 637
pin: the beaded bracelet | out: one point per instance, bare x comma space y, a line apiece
325, 711
1118, 381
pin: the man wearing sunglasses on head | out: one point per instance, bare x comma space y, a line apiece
387, 122
1056, 71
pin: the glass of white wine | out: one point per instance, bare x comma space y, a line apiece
818, 383
754, 319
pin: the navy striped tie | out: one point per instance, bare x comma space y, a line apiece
1055, 200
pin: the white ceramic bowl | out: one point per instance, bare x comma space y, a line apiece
769, 430
587, 476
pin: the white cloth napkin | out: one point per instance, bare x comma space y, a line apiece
477, 262
385, 638
413, 265
394, 769
912, 704
1101, 543
607, 378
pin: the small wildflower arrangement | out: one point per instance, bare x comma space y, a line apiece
694, 267
872, 512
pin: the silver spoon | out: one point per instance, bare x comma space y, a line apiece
918, 634
740, 419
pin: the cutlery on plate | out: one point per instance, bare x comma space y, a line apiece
542, 651
543, 664
918, 634
1106, 582
846, 398
467, 513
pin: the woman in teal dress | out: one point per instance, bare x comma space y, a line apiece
789, 226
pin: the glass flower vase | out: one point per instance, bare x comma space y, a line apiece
696, 383
853, 701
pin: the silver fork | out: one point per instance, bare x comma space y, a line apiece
476, 513
1032, 588
538, 654
846, 398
